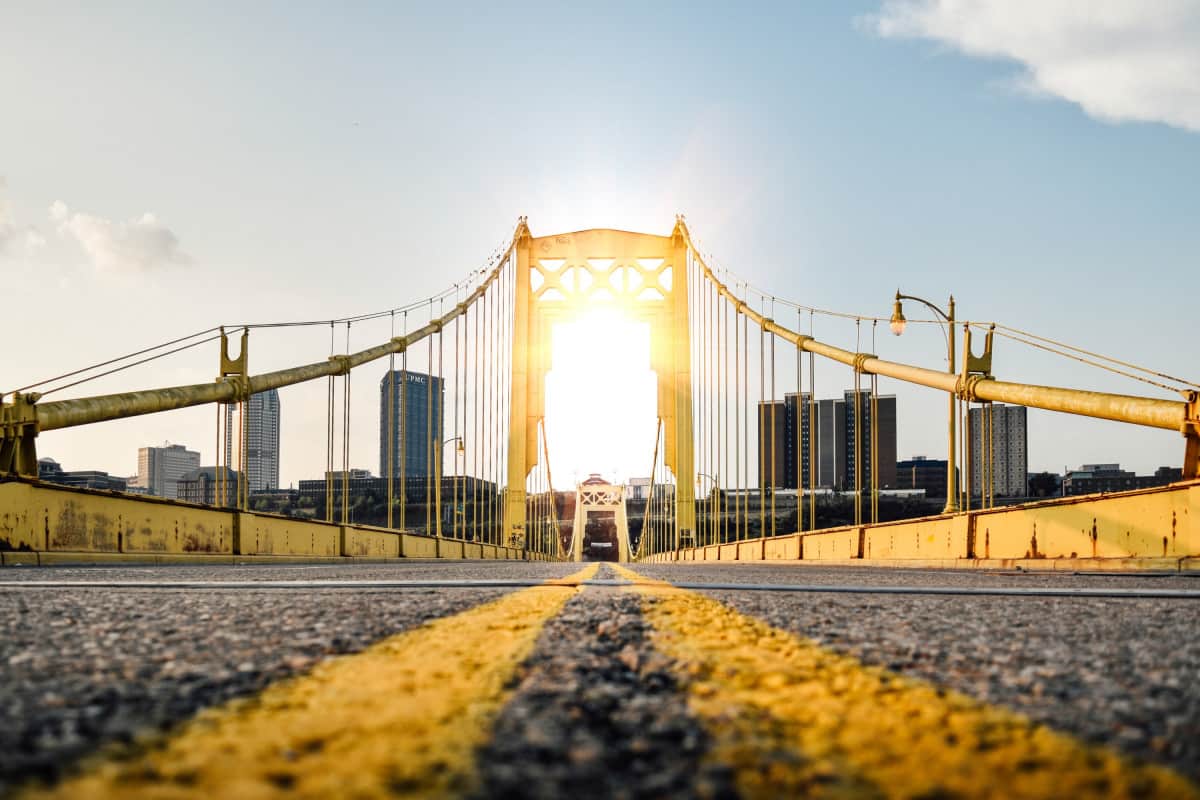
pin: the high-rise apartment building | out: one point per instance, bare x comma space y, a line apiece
262, 441
160, 468
783, 435
1010, 450
261, 432
416, 403
780, 464
831, 444
772, 466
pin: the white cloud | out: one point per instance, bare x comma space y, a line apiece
14, 238
1120, 60
139, 245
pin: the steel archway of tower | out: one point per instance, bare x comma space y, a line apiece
644, 276
602, 497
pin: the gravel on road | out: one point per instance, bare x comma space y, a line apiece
808, 574
1116, 672
81, 668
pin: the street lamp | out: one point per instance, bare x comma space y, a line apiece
459, 450
714, 505
898, 323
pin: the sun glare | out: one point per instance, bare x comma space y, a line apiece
600, 398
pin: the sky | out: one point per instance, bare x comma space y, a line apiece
168, 167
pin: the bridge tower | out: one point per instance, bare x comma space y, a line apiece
643, 275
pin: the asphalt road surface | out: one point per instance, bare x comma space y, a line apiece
601, 689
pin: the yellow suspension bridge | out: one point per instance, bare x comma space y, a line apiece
288, 656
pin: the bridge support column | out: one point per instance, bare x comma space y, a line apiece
525, 410
681, 457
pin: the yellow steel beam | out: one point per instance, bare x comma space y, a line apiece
1154, 413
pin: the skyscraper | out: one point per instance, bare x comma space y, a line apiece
160, 468
416, 411
261, 441
835, 447
772, 446
831, 444
1010, 450
784, 440
885, 426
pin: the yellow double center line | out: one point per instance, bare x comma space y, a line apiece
794, 719
403, 717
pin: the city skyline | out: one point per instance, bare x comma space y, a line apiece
912, 159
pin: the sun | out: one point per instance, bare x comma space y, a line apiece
600, 398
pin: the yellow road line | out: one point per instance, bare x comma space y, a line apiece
794, 719
401, 718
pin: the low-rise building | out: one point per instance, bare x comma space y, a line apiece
51, 471
160, 468
924, 473
637, 489
1096, 478
202, 486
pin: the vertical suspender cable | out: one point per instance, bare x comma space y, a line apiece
814, 431
217, 460
429, 428
346, 437
497, 359
798, 423
439, 429
241, 483
476, 442
746, 421
725, 448
390, 455
991, 440
968, 456
874, 454
774, 453
964, 487
463, 493
738, 495
858, 424
457, 440
992, 454
711, 392
403, 459
695, 324
329, 438
488, 352
761, 419
489, 487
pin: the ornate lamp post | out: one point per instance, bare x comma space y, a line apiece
897, 324
459, 449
